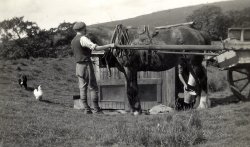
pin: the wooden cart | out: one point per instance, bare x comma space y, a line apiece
237, 61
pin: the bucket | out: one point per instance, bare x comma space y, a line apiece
189, 98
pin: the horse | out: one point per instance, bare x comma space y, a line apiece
132, 61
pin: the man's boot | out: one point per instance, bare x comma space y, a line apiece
80, 104
97, 109
94, 97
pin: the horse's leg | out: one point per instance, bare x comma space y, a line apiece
132, 91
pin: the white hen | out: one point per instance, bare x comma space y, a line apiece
38, 93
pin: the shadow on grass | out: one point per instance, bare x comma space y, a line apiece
31, 89
53, 103
48, 102
224, 101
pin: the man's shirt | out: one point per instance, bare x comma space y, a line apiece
85, 42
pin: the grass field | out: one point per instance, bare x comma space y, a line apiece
52, 122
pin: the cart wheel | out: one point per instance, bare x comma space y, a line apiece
239, 80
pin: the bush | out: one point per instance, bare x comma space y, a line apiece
44, 44
32, 48
217, 79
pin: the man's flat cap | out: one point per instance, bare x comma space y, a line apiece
79, 25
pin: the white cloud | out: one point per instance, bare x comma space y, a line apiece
49, 13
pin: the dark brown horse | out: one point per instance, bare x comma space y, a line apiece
148, 60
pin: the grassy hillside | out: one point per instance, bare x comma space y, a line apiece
174, 16
25, 121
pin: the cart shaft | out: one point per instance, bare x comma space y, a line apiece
172, 47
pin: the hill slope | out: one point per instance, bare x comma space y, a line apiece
174, 16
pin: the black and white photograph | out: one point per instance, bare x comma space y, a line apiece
124, 73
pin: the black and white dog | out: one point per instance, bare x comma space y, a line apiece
22, 81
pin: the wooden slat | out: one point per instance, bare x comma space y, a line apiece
111, 82
138, 75
159, 92
122, 82
118, 74
148, 105
112, 105
101, 73
165, 82
149, 81
169, 87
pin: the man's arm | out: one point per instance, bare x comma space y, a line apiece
104, 47
183, 81
180, 70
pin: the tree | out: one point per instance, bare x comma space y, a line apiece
64, 34
211, 20
240, 18
23, 39
17, 28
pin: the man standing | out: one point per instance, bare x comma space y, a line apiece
183, 72
192, 74
82, 48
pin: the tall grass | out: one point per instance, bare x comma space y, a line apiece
174, 131
52, 122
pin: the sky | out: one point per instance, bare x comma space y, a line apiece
50, 13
